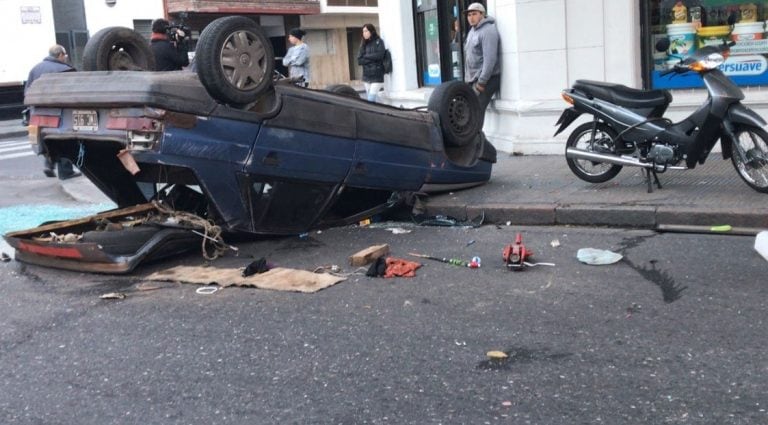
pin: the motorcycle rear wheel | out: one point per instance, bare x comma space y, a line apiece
581, 138
753, 142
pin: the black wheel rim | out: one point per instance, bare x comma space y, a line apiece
243, 60
459, 114
121, 60
600, 145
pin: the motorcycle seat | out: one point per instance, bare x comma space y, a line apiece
622, 95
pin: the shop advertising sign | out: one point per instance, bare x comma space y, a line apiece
31, 15
693, 25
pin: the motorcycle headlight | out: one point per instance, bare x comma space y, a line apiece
712, 61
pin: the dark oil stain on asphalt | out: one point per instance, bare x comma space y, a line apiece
520, 356
670, 290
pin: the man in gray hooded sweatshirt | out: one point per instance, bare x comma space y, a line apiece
482, 54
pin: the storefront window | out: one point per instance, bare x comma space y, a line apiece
692, 24
440, 33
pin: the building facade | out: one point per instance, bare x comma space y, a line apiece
546, 46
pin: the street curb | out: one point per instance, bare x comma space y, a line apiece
736, 217
640, 217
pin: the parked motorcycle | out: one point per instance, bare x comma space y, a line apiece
629, 129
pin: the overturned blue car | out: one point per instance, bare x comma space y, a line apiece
252, 154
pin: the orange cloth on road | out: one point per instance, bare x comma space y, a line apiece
397, 267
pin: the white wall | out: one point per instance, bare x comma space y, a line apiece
546, 46
99, 15
24, 44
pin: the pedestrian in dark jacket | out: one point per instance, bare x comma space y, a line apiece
170, 55
371, 58
57, 61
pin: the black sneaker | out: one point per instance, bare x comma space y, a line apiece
69, 176
49, 173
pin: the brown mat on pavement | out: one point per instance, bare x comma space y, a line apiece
279, 279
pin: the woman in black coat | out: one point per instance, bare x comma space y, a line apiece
371, 58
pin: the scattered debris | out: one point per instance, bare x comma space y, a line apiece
392, 267
113, 296
555, 243
516, 254
722, 228
398, 267
495, 354
634, 308
65, 238
232, 247
255, 267
211, 232
126, 158
398, 230
761, 244
703, 229
448, 221
378, 268
153, 286
207, 290
368, 255
597, 256
470, 243
279, 278
4, 257
474, 263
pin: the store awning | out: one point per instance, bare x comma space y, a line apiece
271, 7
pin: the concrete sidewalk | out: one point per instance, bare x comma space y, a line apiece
12, 129
541, 190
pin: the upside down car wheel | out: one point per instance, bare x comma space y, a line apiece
117, 49
459, 110
235, 61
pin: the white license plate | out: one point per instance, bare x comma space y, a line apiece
85, 120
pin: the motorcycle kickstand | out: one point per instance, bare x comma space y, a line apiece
648, 172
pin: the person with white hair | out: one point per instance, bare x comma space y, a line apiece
56, 61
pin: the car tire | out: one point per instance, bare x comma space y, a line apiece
118, 49
459, 111
343, 90
234, 59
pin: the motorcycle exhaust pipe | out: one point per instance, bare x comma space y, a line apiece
602, 157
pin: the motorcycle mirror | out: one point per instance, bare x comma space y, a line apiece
662, 45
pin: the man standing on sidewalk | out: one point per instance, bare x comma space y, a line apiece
57, 61
482, 54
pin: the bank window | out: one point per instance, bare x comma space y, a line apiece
440, 32
693, 24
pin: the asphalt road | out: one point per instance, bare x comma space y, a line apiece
674, 333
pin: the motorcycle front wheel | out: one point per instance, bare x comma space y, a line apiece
750, 157
581, 138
